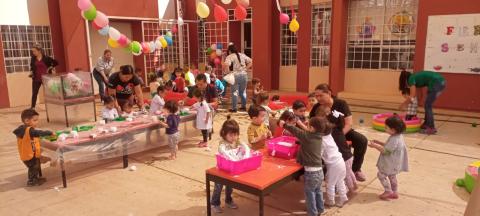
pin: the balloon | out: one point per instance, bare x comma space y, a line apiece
136, 47
169, 40
145, 47
209, 50
101, 19
217, 61
202, 10
294, 25
213, 46
174, 29
163, 41
137, 54
114, 33
84, 4
220, 14
218, 52
220, 46
128, 44
91, 13
158, 44
284, 18
122, 40
152, 46
169, 34
104, 30
213, 55
226, 1
240, 12
95, 26
243, 3
112, 43
180, 21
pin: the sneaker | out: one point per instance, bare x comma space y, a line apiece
360, 176
394, 195
385, 195
341, 202
329, 203
232, 205
217, 209
243, 109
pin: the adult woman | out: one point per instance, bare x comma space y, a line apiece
435, 84
238, 63
341, 117
40, 64
102, 71
124, 86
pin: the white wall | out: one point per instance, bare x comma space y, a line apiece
166, 9
14, 12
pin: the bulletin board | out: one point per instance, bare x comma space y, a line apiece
453, 44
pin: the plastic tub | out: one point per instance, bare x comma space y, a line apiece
283, 147
241, 166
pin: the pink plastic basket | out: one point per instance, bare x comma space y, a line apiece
277, 150
241, 166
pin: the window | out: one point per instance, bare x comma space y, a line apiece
288, 41
381, 34
321, 29
172, 54
18, 41
231, 14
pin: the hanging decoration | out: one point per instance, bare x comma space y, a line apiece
202, 10
294, 25
220, 14
240, 12
283, 17
226, 2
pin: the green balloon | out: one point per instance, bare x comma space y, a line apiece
136, 47
209, 50
91, 13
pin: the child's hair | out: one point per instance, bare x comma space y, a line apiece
255, 81
321, 125
275, 98
108, 100
179, 70
160, 89
403, 82
311, 95
254, 110
127, 104
171, 106
229, 126
287, 116
298, 104
262, 97
169, 85
28, 114
126, 70
395, 123
322, 111
198, 94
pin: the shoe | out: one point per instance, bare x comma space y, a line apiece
385, 195
243, 109
360, 176
232, 110
329, 203
394, 195
217, 209
30, 183
232, 205
431, 131
41, 181
202, 144
341, 202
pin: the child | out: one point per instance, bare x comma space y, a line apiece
276, 98
208, 71
169, 86
262, 100
127, 109
229, 133
412, 105
257, 132
257, 89
138, 71
299, 108
204, 116
29, 146
158, 101
109, 112
339, 138
310, 157
289, 118
312, 100
173, 120
393, 157
179, 81
153, 85
218, 84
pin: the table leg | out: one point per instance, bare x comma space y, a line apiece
66, 116
209, 209
260, 203
62, 167
94, 110
39, 168
125, 161
46, 110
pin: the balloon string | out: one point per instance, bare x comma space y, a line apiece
291, 7
278, 7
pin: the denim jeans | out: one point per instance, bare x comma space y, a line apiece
313, 192
432, 95
225, 85
101, 84
217, 191
239, 89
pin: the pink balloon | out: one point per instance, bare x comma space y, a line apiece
220, 14
240, 12
122, 40
174, 29
284, 18
145, 47
84, 4
101, 19
217, 61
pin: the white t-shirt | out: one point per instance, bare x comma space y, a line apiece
156, 104
266, 121
330, 154
203, 110
238, 67
109, 114
154, 86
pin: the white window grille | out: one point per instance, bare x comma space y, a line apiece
381, 34
18, 41
321, 32
170, 55
231, 14
212, 33
288, 41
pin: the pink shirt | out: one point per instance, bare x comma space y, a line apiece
41, 69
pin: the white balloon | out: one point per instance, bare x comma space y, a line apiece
219, 52
152, 46
114, 33
213, 46
180, 20
158, 44
226, 1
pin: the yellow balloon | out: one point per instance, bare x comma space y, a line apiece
163, 42
294, 25
112, 43
202, 10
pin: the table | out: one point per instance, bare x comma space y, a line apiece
273, 173
125, 131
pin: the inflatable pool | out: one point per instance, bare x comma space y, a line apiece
378, 122
471, 175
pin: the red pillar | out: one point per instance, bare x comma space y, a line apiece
303, 44
56, 30
4, 99
338, 45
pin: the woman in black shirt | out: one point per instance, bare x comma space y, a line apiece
124, 86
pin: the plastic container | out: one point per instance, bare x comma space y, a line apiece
283, 147
241, 166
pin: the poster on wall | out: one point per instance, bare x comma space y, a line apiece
453, 44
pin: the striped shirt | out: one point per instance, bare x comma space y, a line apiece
104, 66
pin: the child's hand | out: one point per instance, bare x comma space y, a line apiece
371, 143
281, 123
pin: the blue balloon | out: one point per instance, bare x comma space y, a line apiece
104, 30
169, 40
219, 46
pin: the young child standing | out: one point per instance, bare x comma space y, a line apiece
393, 157
263, 100
412, 105
204, 116
158, 101
179, 81
310, 157
299, 109
257, 132
257, 89
230, 132
28, 141
109, 112
171, 123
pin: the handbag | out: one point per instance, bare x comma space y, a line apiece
230, 78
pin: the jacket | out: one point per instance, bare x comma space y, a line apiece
28, 141
310, 153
